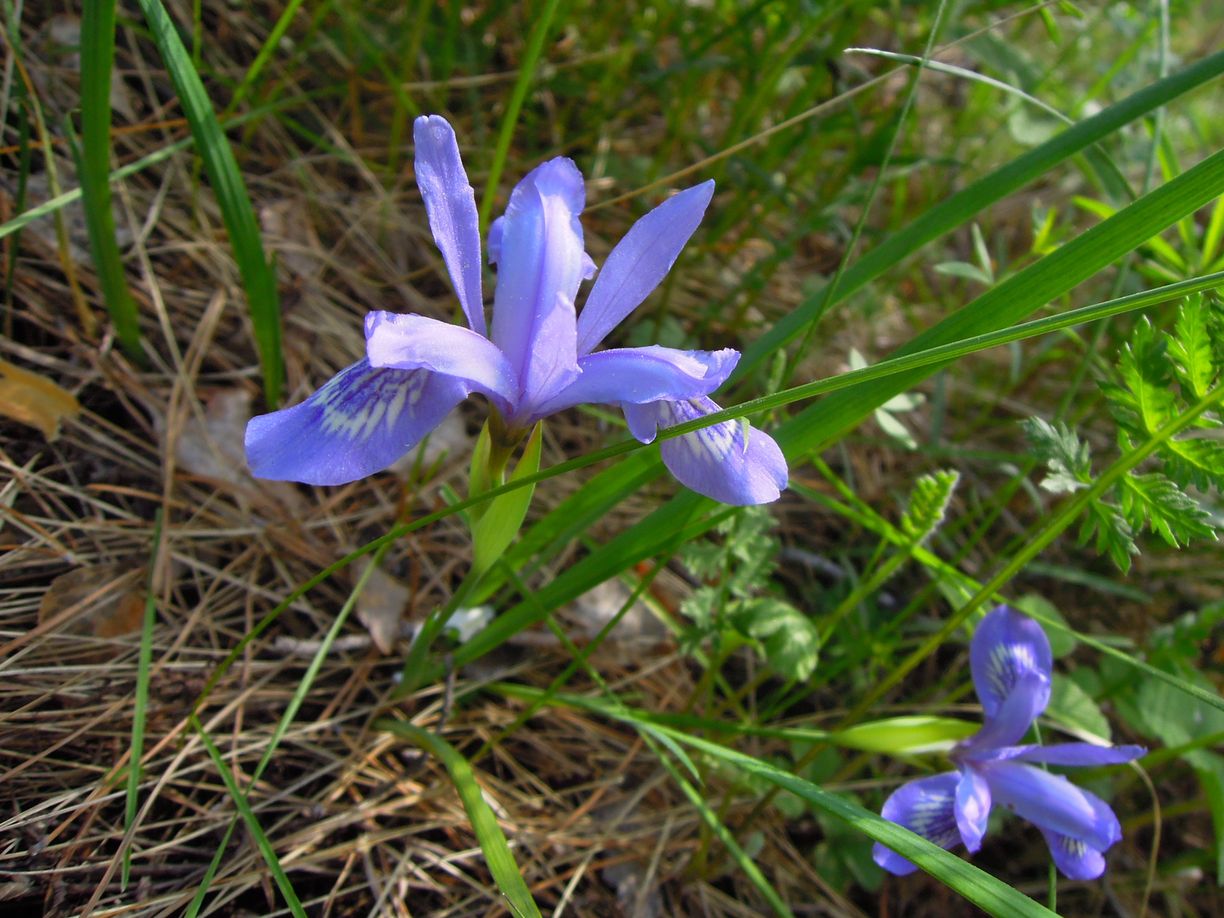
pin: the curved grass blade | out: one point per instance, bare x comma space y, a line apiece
614, 484
258, 276
642, 465
252, 822
93, 166
484, 823
959, 208
974, 884
140, 703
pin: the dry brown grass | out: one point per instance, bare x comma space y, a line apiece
362, 824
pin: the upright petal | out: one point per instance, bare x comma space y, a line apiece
643, 374
358, 423
927, 808
1012, 719
1077, 859
451, 206
410, 342
541, 262
1052, 802
731, 462
1082, 754
639, 262
972, 807
1006, 647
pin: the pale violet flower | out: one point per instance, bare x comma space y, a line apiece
537, 356
1011, 664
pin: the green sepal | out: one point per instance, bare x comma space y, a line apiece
912, 735
495, 528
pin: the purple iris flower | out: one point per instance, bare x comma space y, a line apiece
537, 357
1011, 663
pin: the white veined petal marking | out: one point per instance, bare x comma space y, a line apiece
932, 816
715, 442
354, 402
1073, 846
1008, 662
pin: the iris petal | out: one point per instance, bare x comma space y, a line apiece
1052, 802
1008, 724
1076, 859
639, 262
1083, 754
1006, 646
972, 807
731, 462
410, 342
541, 263
926, 807
358, 423
451, 206
644, 374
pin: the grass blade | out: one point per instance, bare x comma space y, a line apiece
963, 205
484, 823
252, 822
527, 68
140, 704
258, 276
979, 887
291, 710
93, 167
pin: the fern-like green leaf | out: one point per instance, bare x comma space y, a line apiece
1113, 534
1154, 501
1195, 461
1145, 370
1066, 457
928, 504
1190, 347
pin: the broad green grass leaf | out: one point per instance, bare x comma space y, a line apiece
258, 276
93, 167
991, 894
826, 420
484, 823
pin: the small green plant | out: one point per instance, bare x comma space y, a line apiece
1160, 374
735, 602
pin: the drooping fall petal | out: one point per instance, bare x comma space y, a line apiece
926, 807
731, 462
358, 423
